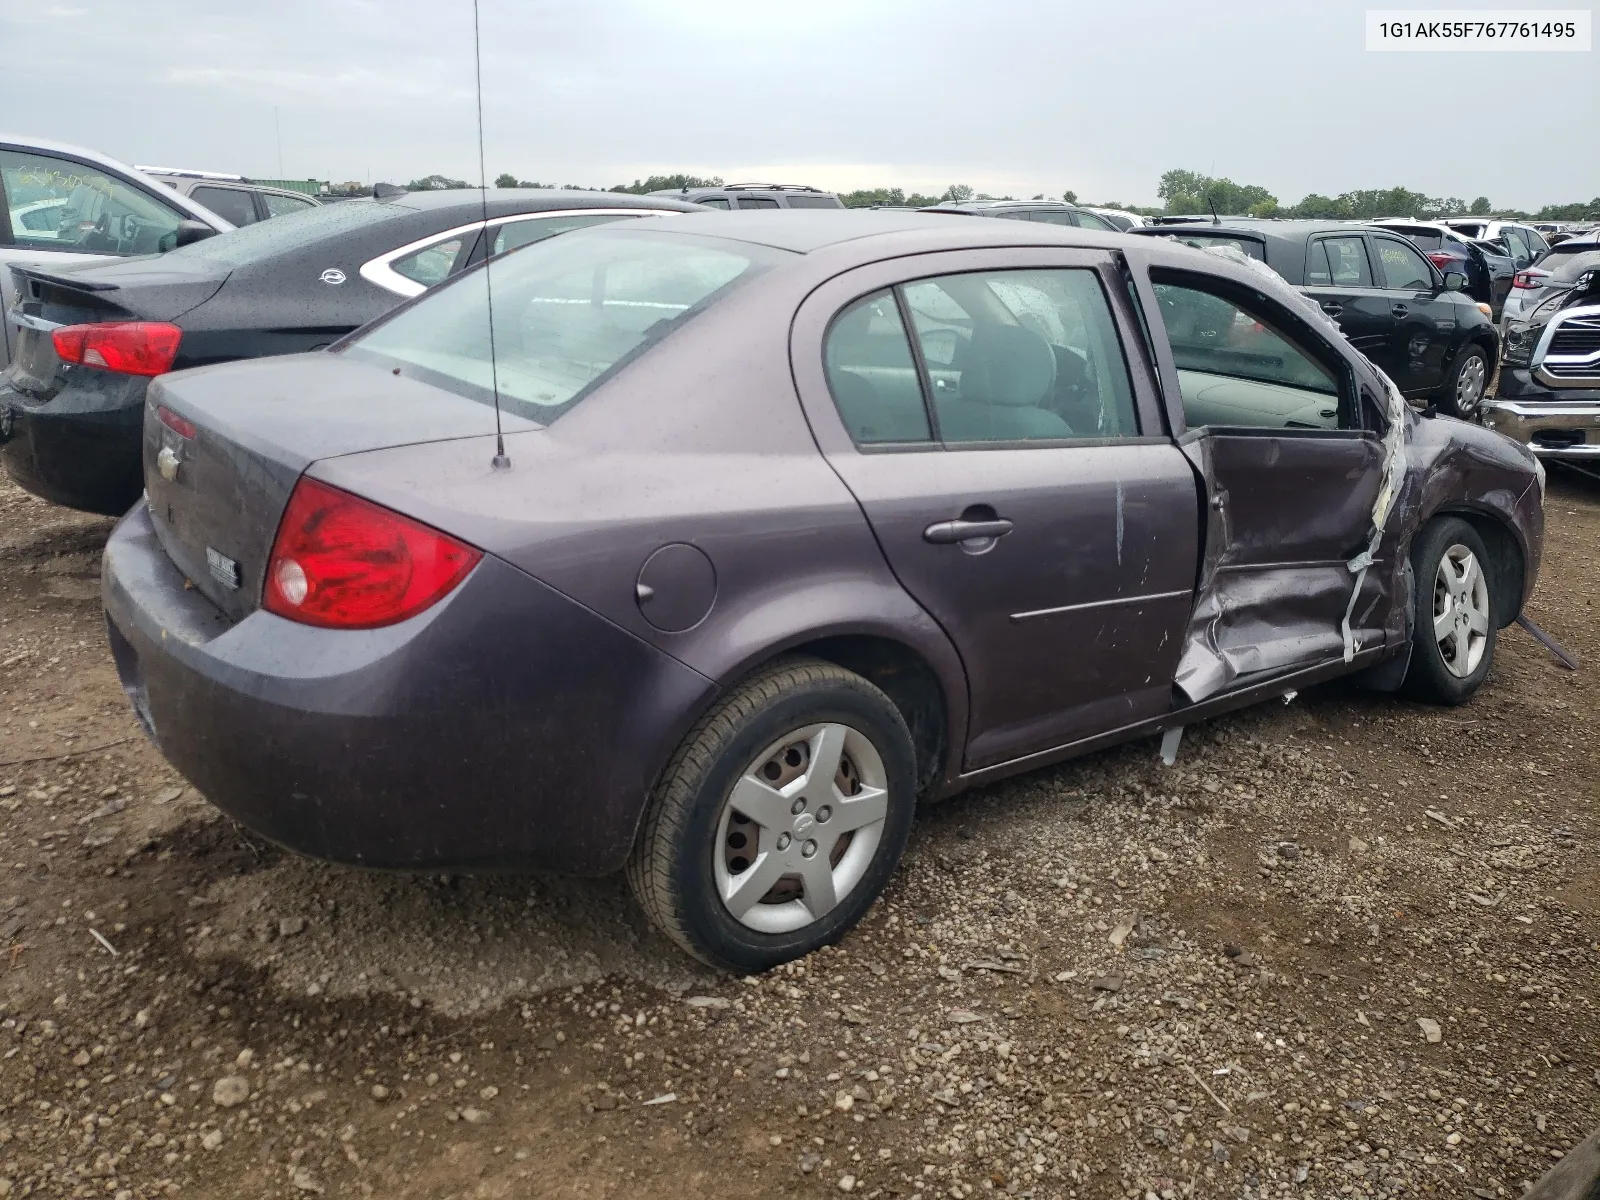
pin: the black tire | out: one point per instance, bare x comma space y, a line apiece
671, 871
1472, 357
1430, 677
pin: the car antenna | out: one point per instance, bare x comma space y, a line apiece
499, 462
1215, 220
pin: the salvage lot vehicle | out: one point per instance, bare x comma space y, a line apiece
1559, 267
799, 517
1396, 308
240, 200
91, 338
1549, 394
1049, 212
746, 196
63, 204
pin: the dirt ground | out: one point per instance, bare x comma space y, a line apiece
1346, 946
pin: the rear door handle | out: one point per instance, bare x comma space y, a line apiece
947, 533
1332, 309
1399, 310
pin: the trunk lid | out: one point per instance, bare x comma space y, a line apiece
137, 289
216, 497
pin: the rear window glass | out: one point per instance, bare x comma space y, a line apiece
291, 231
1203, 241
1422, 239
1568, 268
567, 313
815, 202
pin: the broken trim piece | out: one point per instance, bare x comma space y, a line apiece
1394, 471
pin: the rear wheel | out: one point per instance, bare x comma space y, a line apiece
779, 819
1454, 626
1469, 382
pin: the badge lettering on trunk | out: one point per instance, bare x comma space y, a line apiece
223, 569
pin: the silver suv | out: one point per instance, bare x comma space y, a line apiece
755, 195
63, 204
234, 198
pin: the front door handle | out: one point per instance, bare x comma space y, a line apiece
948, 533
1332, 309
1399, 310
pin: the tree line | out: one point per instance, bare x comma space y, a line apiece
1180, 192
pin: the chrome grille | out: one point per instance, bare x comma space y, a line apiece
1568, 354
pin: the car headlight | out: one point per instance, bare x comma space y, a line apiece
1517, 345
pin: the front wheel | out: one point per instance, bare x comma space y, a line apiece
1454, 626
779, 819
1469, 382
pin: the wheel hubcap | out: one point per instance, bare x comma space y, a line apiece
800, 828
1460, 611
1470, 386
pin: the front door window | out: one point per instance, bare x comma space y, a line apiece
57, 204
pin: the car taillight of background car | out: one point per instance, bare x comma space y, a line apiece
1530, 279
131, 347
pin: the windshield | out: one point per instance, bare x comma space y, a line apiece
568, 313
291, 231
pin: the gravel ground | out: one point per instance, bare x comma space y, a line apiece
1345, 946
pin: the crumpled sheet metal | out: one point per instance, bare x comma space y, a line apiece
1394, 474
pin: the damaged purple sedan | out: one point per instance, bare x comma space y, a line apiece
802, 518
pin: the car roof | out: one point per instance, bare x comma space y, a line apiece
45, 146
506, 201
806, 230
1263, 229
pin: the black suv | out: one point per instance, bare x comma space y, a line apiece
755, 195
1433, 340
1052, 212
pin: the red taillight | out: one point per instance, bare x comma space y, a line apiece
181, 426
346, 563
131, 347
1441, 260
1529, 279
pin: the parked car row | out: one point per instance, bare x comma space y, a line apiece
238, 200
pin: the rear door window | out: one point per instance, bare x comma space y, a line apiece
1400, 267
57, 204
872, 375
234, 205
714, 202
815, 202
1338, 262
1091, 220
757, 202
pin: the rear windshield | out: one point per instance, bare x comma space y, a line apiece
291, 231
568, 313
1422, 239
1201, 241
1567, 268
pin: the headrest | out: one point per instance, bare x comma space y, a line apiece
1008, 365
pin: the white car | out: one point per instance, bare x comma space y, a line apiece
1121, 218
64, 204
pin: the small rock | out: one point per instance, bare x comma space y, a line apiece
844, 1101
704, 1124
230, 1090
1123, 928
380, 1093
1288, 851
246, 1057
141, 1019
605, 1103
847, 1183
489, 1093
212, 1139
1219, 1152
290, 926
1430, 1029
809, 1162
1357, 846
168, 796
304, 1181
708, 1002
1107, 983
474, 1116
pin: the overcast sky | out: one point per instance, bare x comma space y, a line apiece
1018, 96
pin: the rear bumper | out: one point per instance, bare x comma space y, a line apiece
504, 727
80, 448
1554, 424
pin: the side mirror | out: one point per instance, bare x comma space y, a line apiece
1454, 281
189, 232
